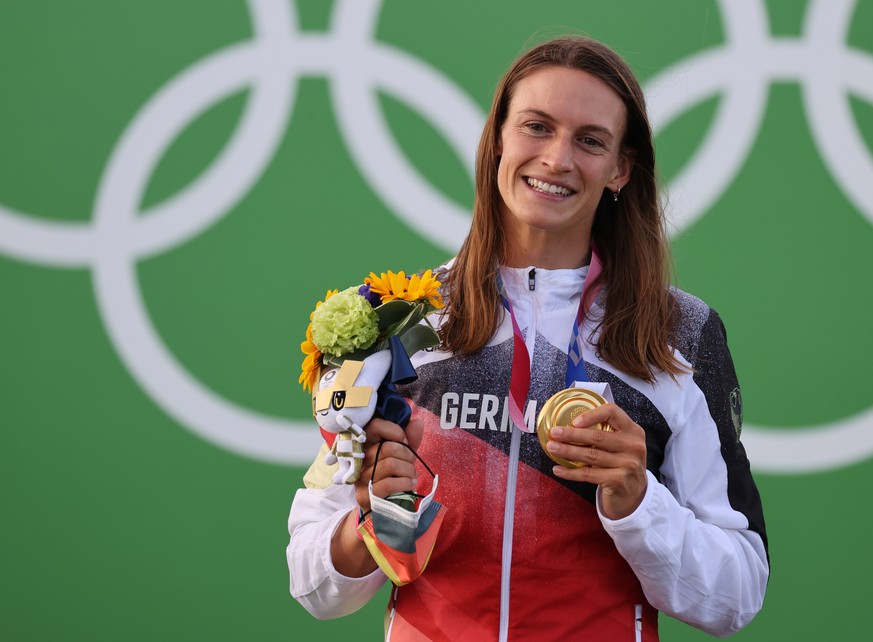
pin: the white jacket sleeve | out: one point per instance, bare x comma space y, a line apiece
314, 582
697, 542
711, 577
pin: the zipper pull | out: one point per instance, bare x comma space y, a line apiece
532, 279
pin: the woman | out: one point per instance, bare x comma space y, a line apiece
567, 246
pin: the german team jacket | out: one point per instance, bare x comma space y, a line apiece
523, 555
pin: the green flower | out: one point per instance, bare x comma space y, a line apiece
344, 323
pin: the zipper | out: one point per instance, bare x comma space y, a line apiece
638, 622
391, 614
512, 478
508, 528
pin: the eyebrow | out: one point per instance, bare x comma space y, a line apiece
547, 116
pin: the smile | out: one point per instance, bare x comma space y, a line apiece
548, 188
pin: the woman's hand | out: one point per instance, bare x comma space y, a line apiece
616, 461
396, 470
395, 473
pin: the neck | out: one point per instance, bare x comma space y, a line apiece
550, 254
546, 244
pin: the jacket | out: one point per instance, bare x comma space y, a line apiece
523, 555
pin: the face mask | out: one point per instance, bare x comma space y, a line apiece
401, 540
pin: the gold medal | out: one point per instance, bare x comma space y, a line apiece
560, 410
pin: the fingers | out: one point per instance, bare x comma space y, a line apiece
415, 433
383, 430
395, 470
583, 446
623, 432
608, 414
616, 460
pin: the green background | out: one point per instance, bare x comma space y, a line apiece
119, 523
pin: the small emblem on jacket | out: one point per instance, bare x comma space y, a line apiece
737, 410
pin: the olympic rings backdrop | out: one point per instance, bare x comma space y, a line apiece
180, 181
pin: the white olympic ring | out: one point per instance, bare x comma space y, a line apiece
741, 70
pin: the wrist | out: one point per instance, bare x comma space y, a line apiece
349, 554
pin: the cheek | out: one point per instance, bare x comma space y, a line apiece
502, 179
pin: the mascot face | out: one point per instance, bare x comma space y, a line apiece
350, 390
337, 392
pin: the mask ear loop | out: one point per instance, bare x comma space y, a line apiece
406, 494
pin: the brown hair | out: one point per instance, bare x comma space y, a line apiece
640, 314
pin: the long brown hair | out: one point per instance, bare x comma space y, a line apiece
640, 316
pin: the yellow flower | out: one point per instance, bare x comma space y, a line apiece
426, 287
311, 364
389, 286
393, 287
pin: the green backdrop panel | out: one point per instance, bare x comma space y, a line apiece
180, 181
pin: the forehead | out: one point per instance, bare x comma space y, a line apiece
569, 95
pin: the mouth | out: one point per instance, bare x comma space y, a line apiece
548, 188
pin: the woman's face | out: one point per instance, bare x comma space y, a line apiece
559, 147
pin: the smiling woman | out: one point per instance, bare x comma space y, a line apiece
599, 101
559, 148
561, 282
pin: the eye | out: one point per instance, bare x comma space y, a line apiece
590, 141
338, 401
535, 127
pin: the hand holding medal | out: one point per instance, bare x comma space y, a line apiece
595, 441
561, 410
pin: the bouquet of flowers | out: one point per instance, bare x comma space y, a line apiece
361, 320
357, 347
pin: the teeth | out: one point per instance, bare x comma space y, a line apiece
548, 188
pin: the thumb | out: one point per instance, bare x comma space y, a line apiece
414, 433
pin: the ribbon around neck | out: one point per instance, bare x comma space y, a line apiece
519, 383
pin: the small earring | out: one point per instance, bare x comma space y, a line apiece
615, 195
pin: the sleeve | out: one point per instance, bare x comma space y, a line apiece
697, 542
316, 512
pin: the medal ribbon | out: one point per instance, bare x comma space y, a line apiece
519, 383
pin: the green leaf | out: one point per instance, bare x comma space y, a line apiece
418, 338
392, 312
414, 315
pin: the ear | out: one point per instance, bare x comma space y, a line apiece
624, 168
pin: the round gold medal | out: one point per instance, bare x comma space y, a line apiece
560, 410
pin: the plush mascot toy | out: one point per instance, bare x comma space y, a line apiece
344, 404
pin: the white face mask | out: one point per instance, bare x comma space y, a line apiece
397, 526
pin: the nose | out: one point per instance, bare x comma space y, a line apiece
558, 155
